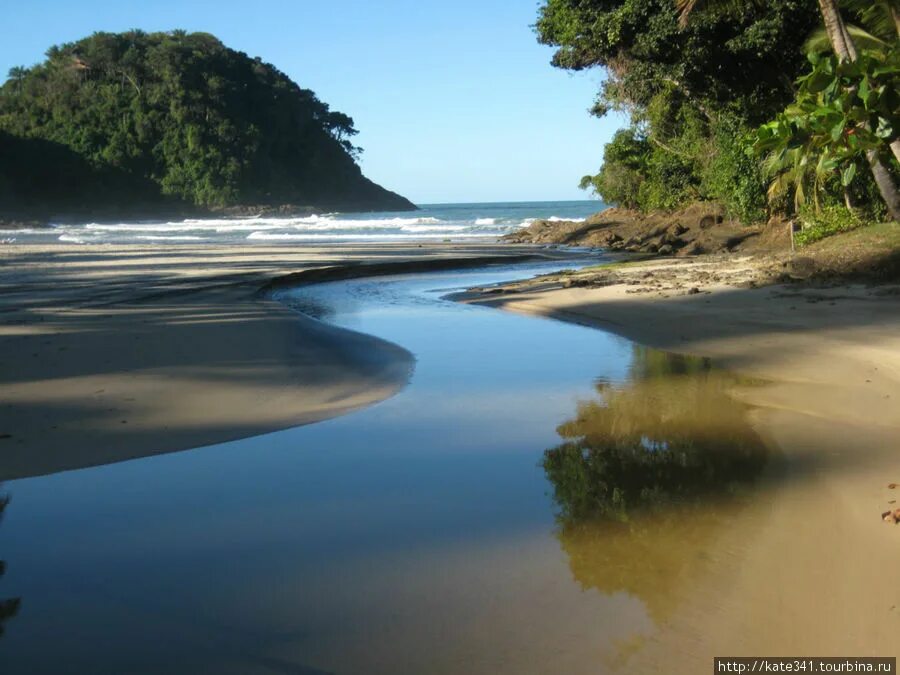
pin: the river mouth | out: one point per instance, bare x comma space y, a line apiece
540, 498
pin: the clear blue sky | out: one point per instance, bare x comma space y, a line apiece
455, 101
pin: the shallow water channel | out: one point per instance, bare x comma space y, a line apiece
536, 500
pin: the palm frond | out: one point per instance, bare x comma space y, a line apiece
879, 17
819, 43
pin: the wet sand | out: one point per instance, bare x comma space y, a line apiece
117, 352
809, 569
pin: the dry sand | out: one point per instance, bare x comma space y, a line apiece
813, 570
109, 353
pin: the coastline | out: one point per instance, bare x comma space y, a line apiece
812, 575
117, 352
47, 219
828, 351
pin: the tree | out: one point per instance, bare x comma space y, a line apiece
205, 124
693, 95
878, 31
844, 109
845, 50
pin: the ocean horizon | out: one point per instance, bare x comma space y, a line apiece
449, 221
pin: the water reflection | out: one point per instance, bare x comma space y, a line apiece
8, 607
650, 473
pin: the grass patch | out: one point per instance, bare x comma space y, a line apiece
618, 264
866, 253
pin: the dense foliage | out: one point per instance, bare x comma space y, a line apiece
818, 223
696, 94
43, 179
204, 123
842, 110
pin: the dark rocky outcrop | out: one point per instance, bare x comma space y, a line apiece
700, 228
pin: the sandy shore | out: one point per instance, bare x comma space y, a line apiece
111, 353
811, 570
116, 352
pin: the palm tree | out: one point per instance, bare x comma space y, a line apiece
17, 75
879, 28
844, 47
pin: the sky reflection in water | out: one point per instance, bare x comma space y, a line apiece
418, 535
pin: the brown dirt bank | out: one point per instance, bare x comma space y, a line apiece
870, 253
700, 228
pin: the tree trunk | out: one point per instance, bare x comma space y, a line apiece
848, 200
841, 41
845, 50
885, 183
895, 14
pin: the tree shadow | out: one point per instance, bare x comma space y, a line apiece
40, 179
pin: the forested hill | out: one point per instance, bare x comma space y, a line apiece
143, 121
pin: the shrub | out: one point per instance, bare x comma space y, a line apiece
733, 177
825, 222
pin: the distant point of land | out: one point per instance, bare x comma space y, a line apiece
141, 124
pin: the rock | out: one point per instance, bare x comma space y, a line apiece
651, 248
677, 229
693, 290
666, 249
694, 248
707, 222
672, 240
610, 239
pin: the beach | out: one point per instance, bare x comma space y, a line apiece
440, 361
119, 352
814, 576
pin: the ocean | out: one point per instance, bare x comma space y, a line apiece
441, 222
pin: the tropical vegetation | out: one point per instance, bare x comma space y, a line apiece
761, 105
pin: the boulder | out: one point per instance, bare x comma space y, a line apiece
706, 222
694, 248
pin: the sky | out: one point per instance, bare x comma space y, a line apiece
454, 101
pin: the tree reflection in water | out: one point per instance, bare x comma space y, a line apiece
649, 473
8, 608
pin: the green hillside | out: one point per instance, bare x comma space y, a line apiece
140, 121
